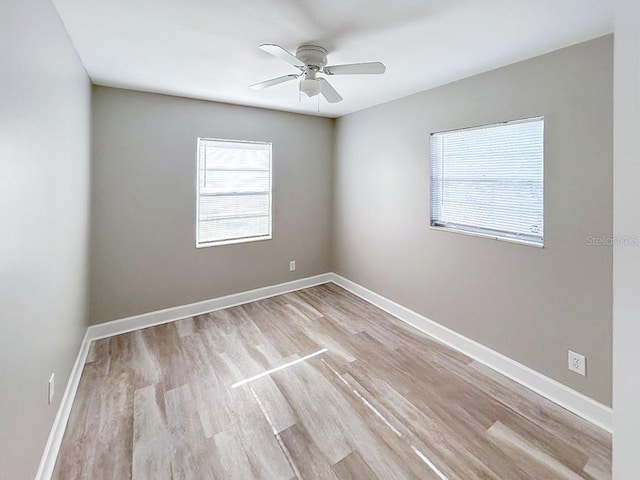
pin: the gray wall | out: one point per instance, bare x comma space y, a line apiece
143, 206
44, 206
528, 303
626, 280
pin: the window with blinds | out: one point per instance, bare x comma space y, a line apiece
234, 192
489, 180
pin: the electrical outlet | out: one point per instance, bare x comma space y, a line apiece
52, 387
577, 363
292, 265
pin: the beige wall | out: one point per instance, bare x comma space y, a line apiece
143, 209
44, 207
626, 280
528, 303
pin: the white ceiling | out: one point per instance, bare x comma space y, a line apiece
208, 49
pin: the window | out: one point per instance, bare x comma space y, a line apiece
234, 192
489, 180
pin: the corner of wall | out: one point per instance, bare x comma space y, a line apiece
332, 206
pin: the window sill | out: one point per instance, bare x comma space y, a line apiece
487, 235
233, 242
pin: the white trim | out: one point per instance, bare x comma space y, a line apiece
233, 241
471, 233
124, 325
576, 402
50, 454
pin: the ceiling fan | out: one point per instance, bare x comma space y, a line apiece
311, 60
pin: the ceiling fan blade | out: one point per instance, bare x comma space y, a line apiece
272, 82
355, 68
278, 51
328, 92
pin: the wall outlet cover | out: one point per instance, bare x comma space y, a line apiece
577, 363
292, 265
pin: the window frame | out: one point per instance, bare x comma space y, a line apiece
508, 237
232, 241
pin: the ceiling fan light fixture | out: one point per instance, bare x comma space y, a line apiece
311, 60
310, 87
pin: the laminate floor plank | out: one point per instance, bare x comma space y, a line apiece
317, 333
81, 450
115, 430
206, 387
529, 457
380, 441
552, 417
256, 436
377, 445
98, 350
184, 327
275, 405
311, 463
229, 458
189, 452
151, 439
248, 393
305, 308
131, 353
396, 434
595, 469
318, 407
353, 467
435, 438
268, 317
251, 428
164, 339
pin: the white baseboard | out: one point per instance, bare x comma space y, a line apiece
124, 325
50, 454
566, 397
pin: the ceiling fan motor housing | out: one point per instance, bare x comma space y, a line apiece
312, 55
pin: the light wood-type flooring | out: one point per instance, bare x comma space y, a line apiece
383, 401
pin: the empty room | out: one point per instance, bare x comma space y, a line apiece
291, 240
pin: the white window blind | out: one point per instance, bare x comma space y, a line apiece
489, 180
234, 192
